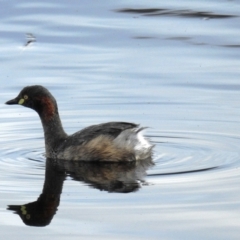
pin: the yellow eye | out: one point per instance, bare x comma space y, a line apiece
25, 97
23, 210
28, 216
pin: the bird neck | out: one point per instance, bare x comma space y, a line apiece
54, 133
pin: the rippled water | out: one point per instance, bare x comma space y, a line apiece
173, 67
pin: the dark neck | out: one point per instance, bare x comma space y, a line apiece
54, 133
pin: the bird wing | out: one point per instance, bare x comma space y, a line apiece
111, 129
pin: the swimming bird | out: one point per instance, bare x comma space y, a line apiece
112, 141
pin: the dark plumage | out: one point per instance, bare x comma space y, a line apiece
113, 141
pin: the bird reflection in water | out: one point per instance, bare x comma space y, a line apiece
121, 177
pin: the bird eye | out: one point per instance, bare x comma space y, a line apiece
25, 97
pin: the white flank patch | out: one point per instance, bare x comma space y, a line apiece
133, 141
142, 142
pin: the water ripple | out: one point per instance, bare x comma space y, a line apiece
193, 153
19, 163
187, 13
176, 153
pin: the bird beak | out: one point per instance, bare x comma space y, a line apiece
13, 101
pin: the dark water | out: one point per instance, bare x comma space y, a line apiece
171, 66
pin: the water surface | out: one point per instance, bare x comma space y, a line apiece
173, 67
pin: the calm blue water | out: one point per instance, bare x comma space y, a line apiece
173, 67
